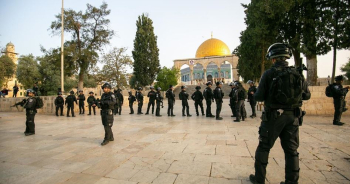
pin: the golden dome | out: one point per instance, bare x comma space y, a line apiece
212, 47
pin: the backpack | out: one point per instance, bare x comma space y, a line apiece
242, 94
180, 96
329, 90
286, 89
39, 103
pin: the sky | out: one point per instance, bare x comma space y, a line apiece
180, 25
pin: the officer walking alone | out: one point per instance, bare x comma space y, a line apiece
91, 102
159, 100
120, 101
107, 105
81, 99
183, 96
30, 105
197, 96
339, 94
139, 98
281, 115
251, 99
152, 97
209, 98
131, 99
59, 103
218, 95
171, 100
70, 99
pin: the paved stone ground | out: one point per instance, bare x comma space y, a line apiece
162, 150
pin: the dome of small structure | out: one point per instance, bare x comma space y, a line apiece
212, 47
9, 44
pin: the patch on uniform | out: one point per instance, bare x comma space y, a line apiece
336, 87
30, 100
112, 96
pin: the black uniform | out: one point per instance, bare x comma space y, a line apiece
139, 98
107, 105
30, 107
91, 101
209, 97
240, 106
277, 121
197, 96
70, 104
15, 91
131, 99
233, 101
339, 94
218, 95
159, 100
59, 103
120, 101
152, 98
183, 96
171, 101
36, 89
252, 100
81, 99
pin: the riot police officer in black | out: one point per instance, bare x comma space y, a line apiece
281, 115
120, 100
70, 99
107, 105
139, 98
251, 99
218, 95
209, 98
131, 99
183, 96
152, 98
81, 98
233, 99
91, 102
240, 94
159, 100
339, 93
197, 96
171, 100
30, 107
59, 103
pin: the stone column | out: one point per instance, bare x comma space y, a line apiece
205, 75
191, 75
219, 73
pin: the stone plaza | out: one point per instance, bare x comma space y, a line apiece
174, 150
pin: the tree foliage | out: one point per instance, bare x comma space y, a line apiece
346, 68
146, 52
89, 32
116, 64
166, 77
7, 69
27, 71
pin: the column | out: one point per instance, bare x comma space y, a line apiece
205, 75
191, 75
219, 73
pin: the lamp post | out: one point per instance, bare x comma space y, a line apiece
62, 55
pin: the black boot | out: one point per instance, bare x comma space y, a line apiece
105, 142
253, 179
338, 123
237, 119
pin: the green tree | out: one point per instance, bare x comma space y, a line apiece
166, 77
146, 52
132, 82
27, 71
89, 32
7, 69
116, 64
346, 68
50, 76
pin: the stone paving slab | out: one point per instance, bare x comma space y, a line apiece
174, 150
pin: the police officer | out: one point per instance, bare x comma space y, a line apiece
183, 96
279, 119
339, 94
240, 107
116, 109
70, 99
251, 99
171, 100
30, 107
139, 98
159, 100
91, 101
81, 98
107, 105
35, 88
209, 98
197, 96
120, 101
59, 103
233, 99
131, 99
218, 95
152, 98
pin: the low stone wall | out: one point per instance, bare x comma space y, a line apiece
320, 104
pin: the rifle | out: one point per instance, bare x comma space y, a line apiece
301, 67
22, 103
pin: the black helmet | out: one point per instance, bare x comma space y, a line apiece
71, 92
339, 78
151, 87
208, 83
237, 84
59, 93
183, 87
218, 83
279, 50
30, 91
170, 86
115, 90
140, 88
129, 92
232, 84
158, 88
91, 92
80, 91
198, 87
106, 85
250, 82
